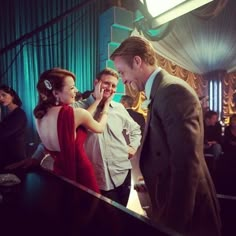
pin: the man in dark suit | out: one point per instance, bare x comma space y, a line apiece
128, 102
212, 134
182, 193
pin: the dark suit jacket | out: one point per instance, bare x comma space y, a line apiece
137, 117
172, 162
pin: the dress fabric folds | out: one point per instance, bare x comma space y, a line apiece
72, 161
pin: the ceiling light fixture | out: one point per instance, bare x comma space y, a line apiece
160, 12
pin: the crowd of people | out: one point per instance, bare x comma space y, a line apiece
95, 138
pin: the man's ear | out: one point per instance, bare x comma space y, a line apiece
95, 82
137, 60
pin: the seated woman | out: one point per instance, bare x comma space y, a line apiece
62, 128
12, 128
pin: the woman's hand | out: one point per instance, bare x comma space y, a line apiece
98, 92
131, 152
108, 101
140, 186
24, 164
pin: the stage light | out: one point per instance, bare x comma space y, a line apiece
159, 12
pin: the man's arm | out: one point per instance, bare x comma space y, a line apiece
30, 162
133, 131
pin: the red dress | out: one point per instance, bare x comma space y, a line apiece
72, 161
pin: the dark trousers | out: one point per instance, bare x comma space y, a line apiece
120, 194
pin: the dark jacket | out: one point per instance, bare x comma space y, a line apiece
12, 137
172, 162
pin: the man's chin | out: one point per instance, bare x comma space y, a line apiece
106, 95
134, 86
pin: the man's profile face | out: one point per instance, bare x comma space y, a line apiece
109, 84
130, 75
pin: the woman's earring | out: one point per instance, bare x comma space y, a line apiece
57, 101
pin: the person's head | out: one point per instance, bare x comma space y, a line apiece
109, 80
135, 60
211, 118
9, 96
55, 87
232, 121
86, 94
127, 101
78, 96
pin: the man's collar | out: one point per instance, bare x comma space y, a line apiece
149, 83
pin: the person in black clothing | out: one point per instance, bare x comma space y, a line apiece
212, 134
128, 102
229, 144
12, 128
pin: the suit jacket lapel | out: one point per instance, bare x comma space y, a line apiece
156, 84
154, 89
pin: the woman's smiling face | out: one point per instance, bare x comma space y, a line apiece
68, 92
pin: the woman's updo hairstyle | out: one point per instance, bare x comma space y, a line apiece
49, 81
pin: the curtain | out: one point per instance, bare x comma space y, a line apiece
229, 92
202, 45
69, 42
200, 42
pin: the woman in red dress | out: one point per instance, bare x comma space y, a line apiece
62, 128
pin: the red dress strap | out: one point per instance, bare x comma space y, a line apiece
65, 161
85, 170
72, 161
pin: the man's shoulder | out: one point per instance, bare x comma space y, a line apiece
114, 103
117, 106
85, 103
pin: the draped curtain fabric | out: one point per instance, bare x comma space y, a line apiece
196, 81
229, 92
202, 45
200, 42
210, 10
70, 42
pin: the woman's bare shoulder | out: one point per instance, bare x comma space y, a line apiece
79, 110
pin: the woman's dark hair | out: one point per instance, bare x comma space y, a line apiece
49, 81
16, 100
